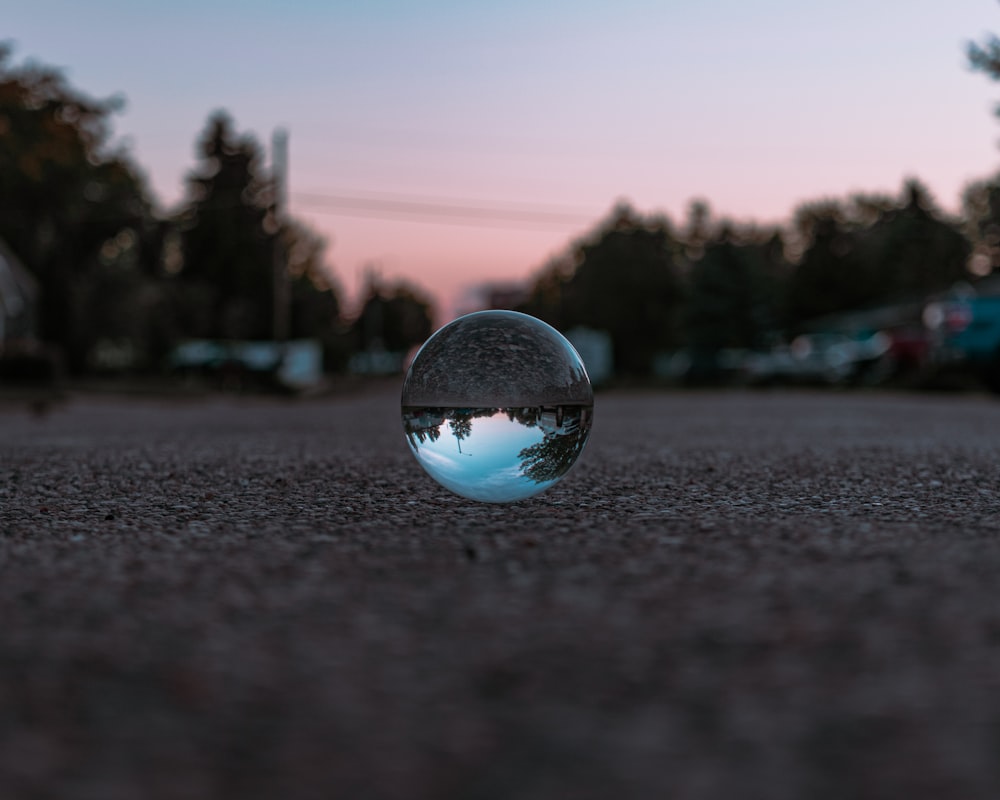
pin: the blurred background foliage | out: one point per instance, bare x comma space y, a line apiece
717, 284
77, 212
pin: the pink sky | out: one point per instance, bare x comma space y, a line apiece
546, 106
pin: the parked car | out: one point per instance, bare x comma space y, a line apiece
294, 366
909, 349
965, 335
827, 358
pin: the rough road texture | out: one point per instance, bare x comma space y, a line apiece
732, 596
497, 358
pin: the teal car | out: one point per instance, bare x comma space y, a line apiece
965, 335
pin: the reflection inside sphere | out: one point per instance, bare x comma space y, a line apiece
497, 406
497, 454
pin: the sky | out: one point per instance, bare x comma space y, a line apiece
451, 143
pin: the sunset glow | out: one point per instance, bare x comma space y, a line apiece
536, 118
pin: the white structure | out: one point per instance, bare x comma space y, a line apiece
18, 298
595, 348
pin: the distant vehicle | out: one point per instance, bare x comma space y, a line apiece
295, 365
826, 358
909, 348
965, 335
700, 367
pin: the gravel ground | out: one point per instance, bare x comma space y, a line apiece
733, 595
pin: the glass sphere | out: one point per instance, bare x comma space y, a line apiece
497, 406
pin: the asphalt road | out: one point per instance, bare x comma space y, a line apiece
734, 595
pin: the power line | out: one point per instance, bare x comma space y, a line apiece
440, 211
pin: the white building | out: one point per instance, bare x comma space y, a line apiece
18, 299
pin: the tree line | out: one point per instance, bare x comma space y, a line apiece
76, 210
712, 284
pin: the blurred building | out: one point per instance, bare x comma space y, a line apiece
596, 349
503, 296
18, 299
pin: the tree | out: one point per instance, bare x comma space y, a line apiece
985, 57
69, 201
911, 250
226, 243
623, 279
552, 457
461, 425
734, 289
981, 215
228, 237
315, 303
873, 251
395, 318
828, 278
981, 200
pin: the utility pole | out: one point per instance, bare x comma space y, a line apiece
282, 290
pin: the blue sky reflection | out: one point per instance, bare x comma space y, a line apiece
485, 463
497, 455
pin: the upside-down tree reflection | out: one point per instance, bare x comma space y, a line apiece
552, 457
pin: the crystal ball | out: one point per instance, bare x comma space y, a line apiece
497, 406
